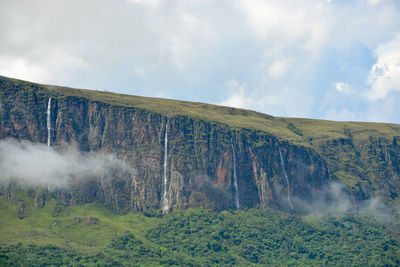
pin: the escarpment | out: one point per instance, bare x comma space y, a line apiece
203, 152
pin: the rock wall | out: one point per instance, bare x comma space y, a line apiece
200, 156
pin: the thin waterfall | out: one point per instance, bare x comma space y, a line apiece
48, 123
49, 185
287, 180
235, 177
165, 201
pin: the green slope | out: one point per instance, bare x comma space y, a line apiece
92, 235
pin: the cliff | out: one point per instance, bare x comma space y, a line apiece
278, 162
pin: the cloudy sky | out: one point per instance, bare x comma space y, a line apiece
329, 59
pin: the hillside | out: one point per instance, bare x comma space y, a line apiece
96, 178
92, 235
209, 147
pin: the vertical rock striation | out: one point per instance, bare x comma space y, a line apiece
189, 163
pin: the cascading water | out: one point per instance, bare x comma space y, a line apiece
235, 177
48, 123
49, 185
165, 201
287, 180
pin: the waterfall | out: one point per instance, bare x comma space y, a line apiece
48, 123
235, 177
165, 204
287, 180
49, 185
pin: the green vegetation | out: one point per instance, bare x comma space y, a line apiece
294, 129
92, 235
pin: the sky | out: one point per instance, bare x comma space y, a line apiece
325, 59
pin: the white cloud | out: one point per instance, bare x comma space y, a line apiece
20, 67
149, 3
191, 37
280, 102
56, 67
343, 88
384, 76
374, 2
35, 165
238, 98
384, 110
283, 24
279, 68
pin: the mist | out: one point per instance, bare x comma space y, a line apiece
35, 164
331, 199
334, 201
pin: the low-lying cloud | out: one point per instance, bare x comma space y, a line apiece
334, 200
35, 164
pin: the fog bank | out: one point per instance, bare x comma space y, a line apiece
36, 165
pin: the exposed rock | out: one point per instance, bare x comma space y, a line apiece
199, 156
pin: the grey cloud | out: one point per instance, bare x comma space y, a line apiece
191, 49
36, 165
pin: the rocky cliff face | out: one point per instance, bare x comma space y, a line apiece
200, 165
369, 168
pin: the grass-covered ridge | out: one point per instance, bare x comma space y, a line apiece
297, 130
91, 235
